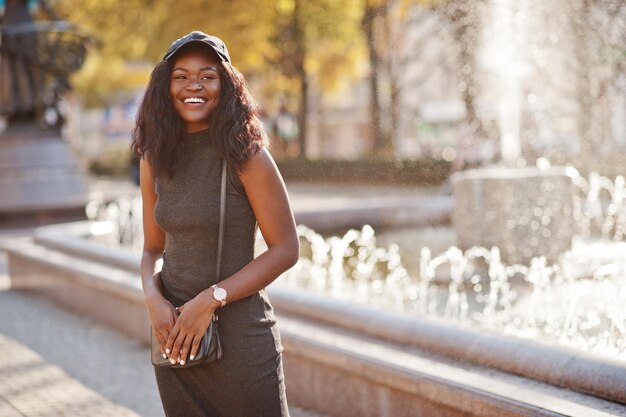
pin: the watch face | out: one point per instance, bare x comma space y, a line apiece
219, 294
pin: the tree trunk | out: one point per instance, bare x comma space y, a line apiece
582, 56
393, 44
465, 22
299, 57
367, 23
396, 34
394, 105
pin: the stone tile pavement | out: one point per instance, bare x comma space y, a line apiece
55, 363
29, 386
59, 364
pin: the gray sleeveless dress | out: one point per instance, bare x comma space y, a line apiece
248, 380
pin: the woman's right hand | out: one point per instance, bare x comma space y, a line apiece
163, 316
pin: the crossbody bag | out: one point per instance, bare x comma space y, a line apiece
210, 348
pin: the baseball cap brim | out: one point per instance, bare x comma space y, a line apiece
215, 43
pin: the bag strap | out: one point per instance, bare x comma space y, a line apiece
220, 233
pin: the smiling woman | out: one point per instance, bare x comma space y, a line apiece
195, 86
197, 113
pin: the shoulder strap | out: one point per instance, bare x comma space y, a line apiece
220, 234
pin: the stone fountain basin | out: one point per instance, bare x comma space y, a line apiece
526, 212
341, 359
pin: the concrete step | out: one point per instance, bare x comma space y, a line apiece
329, 369
448, 387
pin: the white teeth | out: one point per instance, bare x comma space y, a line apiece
195, 100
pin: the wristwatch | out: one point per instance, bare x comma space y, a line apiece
219, 294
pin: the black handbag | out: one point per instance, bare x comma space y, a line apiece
210, 348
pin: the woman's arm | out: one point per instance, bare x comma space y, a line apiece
162, 313
268, 198
153, 236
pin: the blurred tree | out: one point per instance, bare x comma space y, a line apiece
317, 41
281, 46
466, 18
110, 22
297, 29
375, 10
247, 31
385, 25
593, 32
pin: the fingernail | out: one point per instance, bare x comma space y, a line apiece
172, 361
182, 362
167, 351
164, 356
191, 357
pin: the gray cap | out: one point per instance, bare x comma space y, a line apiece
196, 36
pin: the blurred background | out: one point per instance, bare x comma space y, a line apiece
466, 82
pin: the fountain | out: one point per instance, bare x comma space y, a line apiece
478, 289
523, 211
348, 298
40, 179
540, 81
471, 295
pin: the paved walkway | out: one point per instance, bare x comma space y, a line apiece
58, 364
30, 386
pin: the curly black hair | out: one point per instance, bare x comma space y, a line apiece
234, 125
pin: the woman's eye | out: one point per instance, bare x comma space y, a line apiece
208, 77
180, 77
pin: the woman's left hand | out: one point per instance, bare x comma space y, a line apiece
193, 320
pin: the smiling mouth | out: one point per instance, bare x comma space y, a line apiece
195, 100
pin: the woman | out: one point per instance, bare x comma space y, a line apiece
197, 111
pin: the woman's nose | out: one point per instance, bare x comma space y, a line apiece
194, 85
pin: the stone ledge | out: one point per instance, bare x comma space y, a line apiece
110, 295
86, 273
400, 212
558, 366
71, 238
324, 364
467, 389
